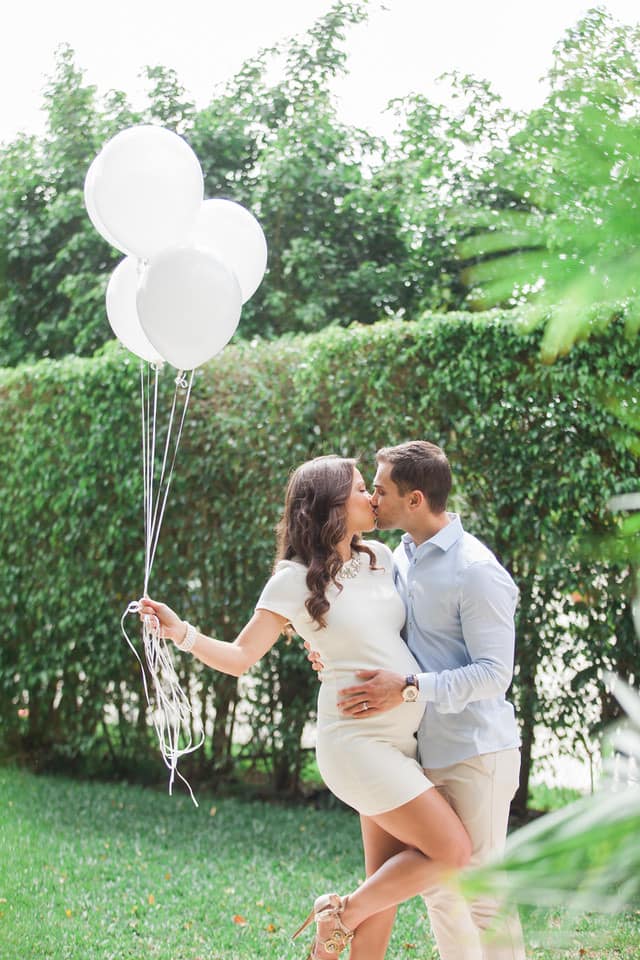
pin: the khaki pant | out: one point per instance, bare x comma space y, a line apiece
480, 790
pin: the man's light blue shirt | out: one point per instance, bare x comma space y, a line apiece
460, 605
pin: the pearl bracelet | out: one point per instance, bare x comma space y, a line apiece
189, 638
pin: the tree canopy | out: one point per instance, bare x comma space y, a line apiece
557, 222
465, 205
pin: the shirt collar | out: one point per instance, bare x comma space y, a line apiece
444, 539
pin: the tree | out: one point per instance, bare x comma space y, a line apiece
334, 249
555, 225
52, 299
565, 234
358, 229
278, 148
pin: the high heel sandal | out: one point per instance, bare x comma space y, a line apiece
327, 911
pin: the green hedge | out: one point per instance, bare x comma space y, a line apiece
536, 451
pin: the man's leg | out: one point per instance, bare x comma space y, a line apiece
480, 790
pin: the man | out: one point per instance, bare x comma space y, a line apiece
460, 606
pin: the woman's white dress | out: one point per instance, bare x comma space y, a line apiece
369, 763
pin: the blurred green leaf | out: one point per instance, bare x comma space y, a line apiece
586, 856
564, 232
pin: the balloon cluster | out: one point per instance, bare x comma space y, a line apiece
191, 263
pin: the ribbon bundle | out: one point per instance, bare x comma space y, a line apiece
170, 707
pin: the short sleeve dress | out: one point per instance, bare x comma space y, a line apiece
368, 763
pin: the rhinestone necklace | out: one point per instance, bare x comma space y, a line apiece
349, 568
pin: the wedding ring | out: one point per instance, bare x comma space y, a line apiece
365, 705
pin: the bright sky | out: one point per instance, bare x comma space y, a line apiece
400, 50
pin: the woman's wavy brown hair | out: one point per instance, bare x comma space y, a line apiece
314, 523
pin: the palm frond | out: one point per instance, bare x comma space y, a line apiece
585, 857
563, 229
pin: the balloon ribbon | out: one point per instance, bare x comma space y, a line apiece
170, 707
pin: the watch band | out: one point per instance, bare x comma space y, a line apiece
411, 690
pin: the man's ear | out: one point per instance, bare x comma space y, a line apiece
416, 499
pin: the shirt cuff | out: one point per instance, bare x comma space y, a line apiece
426, 687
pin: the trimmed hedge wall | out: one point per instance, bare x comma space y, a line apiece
536, 452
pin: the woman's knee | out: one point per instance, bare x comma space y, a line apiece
453, 847
458, 851
452, 842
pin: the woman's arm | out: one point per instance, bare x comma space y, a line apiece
253, 641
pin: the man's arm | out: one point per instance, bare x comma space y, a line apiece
487, 606
380, 690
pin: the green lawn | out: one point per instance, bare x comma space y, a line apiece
92, 871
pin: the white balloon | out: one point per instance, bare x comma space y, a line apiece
89, 187
122, 311
189, 305
234, 235
144, 190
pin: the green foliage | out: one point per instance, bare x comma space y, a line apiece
536, 456
436, 174
335, 244
556, 220
466, 205
54, 264
585, 856
543, 797
587, 851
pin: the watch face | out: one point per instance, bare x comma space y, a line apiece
410, 693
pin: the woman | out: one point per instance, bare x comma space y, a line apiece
337, 591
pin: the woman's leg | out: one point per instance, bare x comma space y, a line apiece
435, 844
372, 938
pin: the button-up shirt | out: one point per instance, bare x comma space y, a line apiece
460, 605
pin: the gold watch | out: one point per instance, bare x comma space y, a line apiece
410, 690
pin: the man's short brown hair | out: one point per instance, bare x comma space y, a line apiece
420, 465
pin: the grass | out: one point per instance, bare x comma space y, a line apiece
94, 871
542, 797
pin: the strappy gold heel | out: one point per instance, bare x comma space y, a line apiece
335, 937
